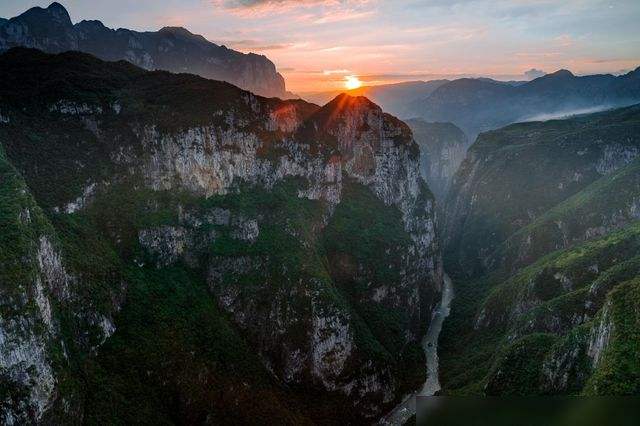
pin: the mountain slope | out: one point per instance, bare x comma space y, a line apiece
516, 174
172, 49
553, 231
261, 251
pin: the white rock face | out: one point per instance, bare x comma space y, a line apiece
74, 108
331, 346
25, 339
81, 201
166, 243
600, 335
24, 359
614, 157
214, 159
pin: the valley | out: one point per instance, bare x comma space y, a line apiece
184, 241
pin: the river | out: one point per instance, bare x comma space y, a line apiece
407, 408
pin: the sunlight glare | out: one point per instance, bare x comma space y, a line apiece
352, 82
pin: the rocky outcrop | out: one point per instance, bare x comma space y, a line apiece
37, 292
172, 49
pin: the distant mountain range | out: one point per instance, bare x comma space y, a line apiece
172, 49
480, 104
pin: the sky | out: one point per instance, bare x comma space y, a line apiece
318, 44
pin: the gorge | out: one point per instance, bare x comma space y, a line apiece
183, 241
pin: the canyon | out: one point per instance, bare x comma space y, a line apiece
184, 241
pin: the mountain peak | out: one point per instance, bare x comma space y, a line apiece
176, 30
561, 73
345, 100
59, 11
55, 14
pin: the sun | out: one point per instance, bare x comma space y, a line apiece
352, 82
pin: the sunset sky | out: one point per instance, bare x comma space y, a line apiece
316, 44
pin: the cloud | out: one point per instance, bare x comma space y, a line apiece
287, 4
340, 71
256, 45
534, 73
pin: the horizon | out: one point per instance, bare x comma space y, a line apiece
318, 45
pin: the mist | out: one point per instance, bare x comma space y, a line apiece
567, 113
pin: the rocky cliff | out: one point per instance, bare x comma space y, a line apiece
171, 48
228, 250
443, 146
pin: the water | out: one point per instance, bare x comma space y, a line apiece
430, 341
407, 408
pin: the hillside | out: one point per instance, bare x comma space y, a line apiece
547, 262
178, 248
513, 176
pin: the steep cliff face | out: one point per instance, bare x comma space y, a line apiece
513, 176
48, 315
306, 234
552, 209
171, 48
442, 149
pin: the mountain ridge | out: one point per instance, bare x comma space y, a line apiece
477, 105
171, 48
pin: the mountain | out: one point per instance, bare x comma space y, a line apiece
394, 98
543, 236
478, 105
172, 48
514, 175
173, 247
442, 149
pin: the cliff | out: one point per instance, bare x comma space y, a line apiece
231, 251
443, 147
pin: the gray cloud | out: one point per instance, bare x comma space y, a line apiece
534, 73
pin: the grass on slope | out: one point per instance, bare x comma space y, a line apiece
600, 207
470, 351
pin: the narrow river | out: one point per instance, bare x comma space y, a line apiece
407, 408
